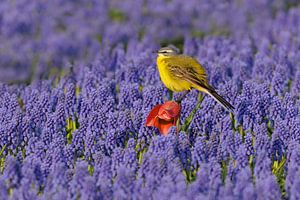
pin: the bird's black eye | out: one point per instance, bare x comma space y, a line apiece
163, 52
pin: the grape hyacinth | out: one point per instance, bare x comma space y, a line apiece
80, 99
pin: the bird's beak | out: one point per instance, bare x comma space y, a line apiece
156, 52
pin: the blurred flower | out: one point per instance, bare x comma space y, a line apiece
163, 116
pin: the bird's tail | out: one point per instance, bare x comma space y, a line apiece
220, 100
205, 87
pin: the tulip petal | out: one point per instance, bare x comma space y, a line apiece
150, 121
164, 126
165, 116
169, 108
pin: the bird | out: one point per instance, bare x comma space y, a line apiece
180, 72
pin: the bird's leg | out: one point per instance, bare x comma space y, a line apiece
182, 97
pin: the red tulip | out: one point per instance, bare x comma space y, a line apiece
163, 116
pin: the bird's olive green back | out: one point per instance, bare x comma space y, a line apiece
186, 62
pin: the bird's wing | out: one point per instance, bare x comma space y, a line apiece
197, 77
189, 74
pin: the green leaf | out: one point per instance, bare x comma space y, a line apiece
70, 128
91, 169
2, 159
116, 15
278, 171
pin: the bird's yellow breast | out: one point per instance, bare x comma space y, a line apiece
172, 83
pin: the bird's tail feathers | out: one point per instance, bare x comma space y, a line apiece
220, 100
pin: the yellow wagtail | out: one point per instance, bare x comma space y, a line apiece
182, 73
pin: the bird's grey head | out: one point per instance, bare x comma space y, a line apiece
168, 51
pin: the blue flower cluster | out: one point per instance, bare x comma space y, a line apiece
73, 125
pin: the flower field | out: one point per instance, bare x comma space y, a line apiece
78, 80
